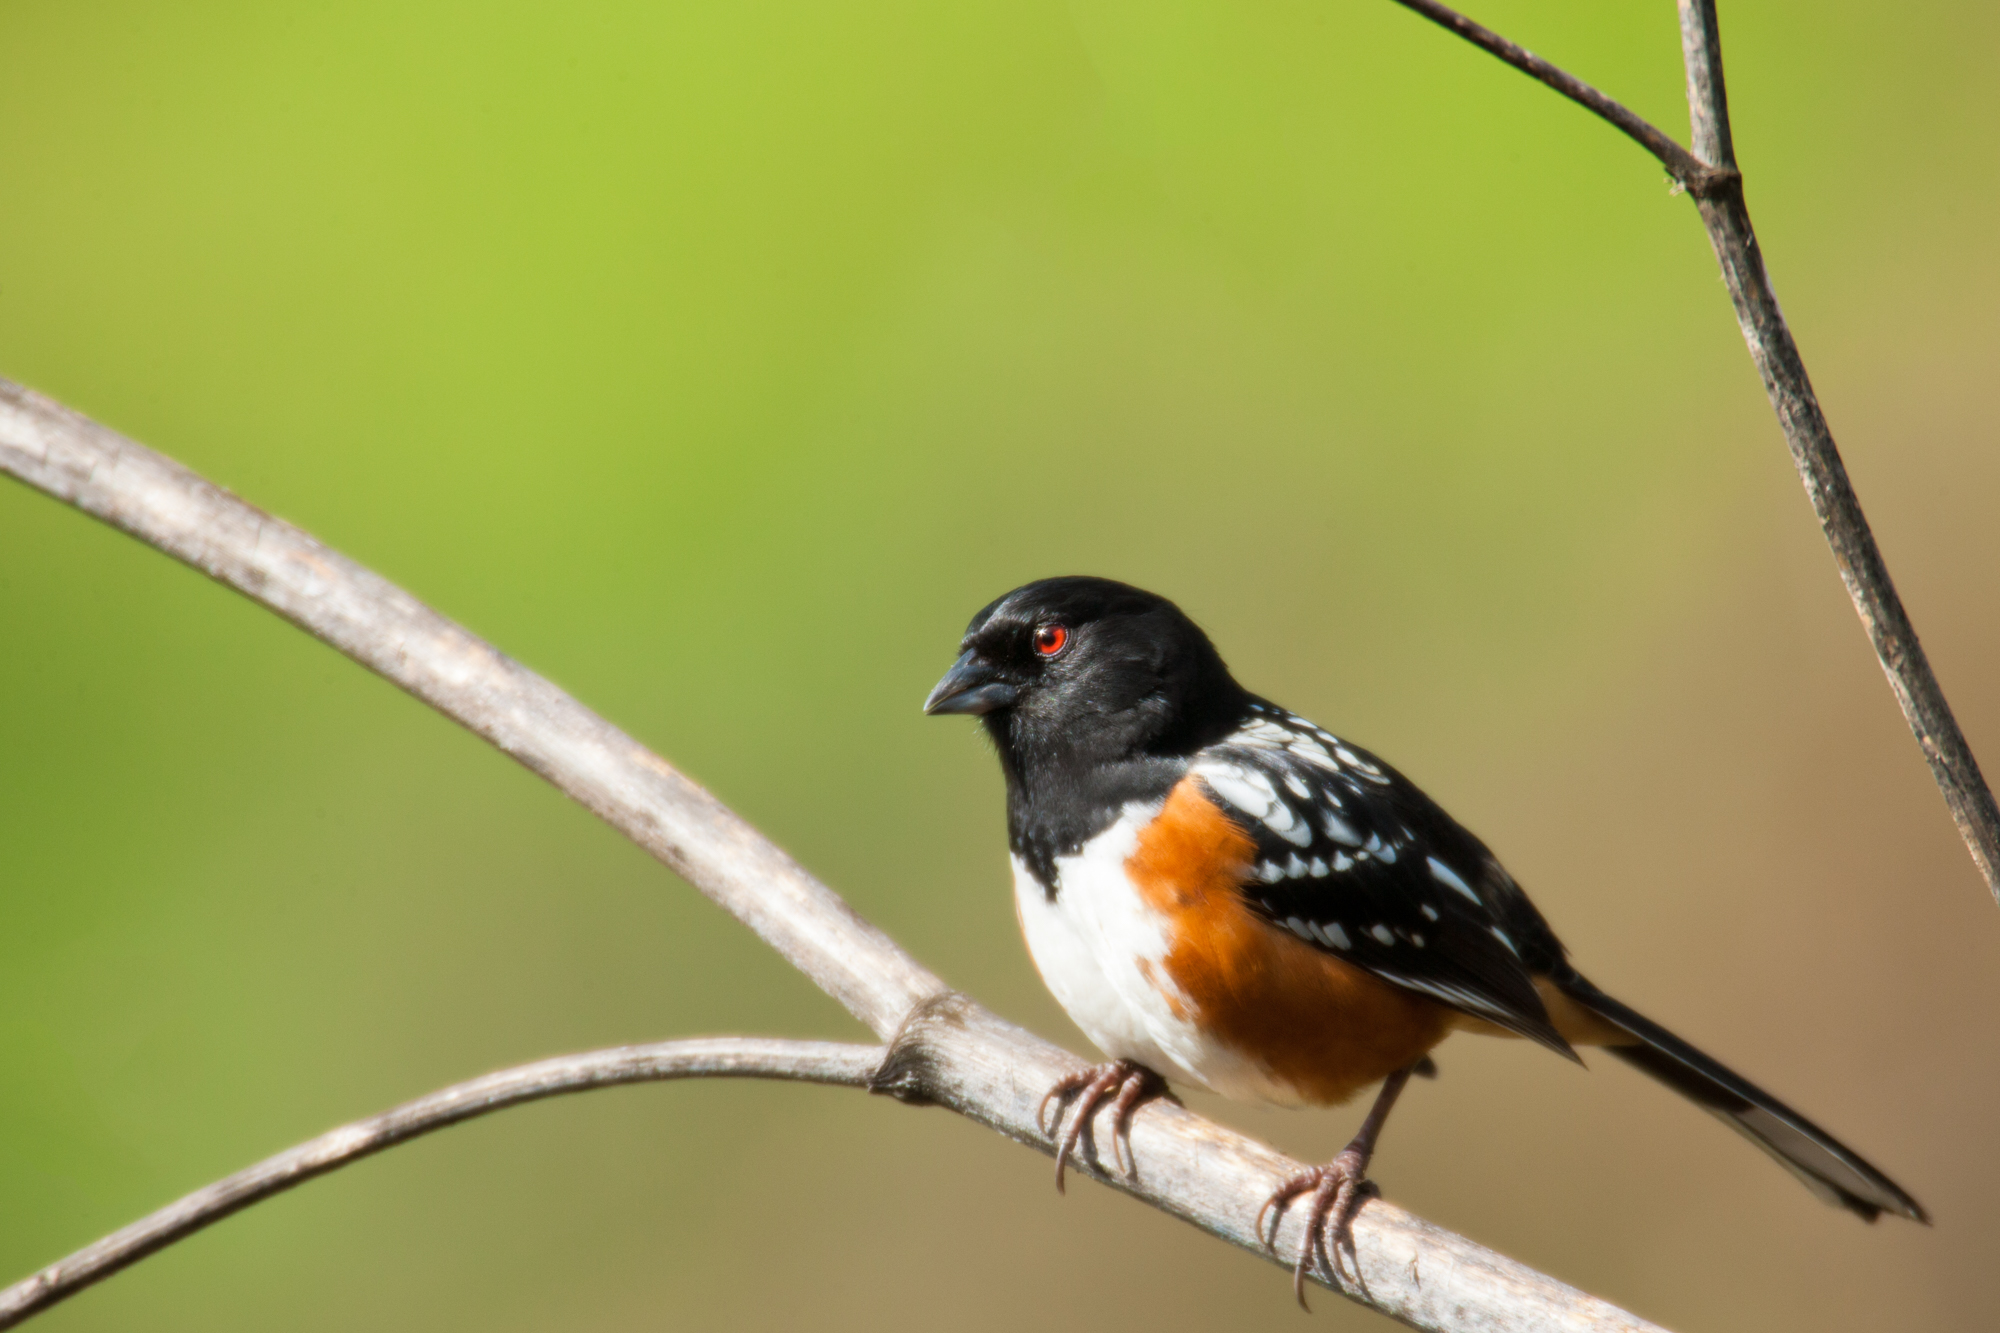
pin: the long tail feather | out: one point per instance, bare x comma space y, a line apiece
1827, 1167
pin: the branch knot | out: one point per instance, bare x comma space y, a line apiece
1707, 182
909, 1071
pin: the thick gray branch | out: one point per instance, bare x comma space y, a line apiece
956, 1054
1710, 174
719, 1057
947, 1050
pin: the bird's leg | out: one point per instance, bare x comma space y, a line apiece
1338, 1190
1123, 1083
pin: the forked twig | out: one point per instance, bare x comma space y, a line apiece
1692, 173
1709, 173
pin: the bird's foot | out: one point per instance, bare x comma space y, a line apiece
1338, 1190
1122, 1083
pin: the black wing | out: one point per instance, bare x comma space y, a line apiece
1354, 859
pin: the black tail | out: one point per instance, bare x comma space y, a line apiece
1829, 1169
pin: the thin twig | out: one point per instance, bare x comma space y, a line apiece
946, 1050
1711, 175
1693, 174
715, 1057
1708, 97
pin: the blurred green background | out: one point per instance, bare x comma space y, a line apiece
718, 361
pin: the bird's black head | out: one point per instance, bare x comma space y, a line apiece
1081, 671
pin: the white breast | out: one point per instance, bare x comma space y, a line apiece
1100, 949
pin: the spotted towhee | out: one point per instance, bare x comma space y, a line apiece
1221, 892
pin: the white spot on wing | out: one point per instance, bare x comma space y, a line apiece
1448, 877
1313, 754
1285, 822
1339, 829
1382, 933
1246, 790
1264, 734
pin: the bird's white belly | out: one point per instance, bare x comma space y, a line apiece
1101, 949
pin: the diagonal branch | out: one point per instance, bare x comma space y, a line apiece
945, 1051
1817, 458
1710, 174
716, 1057
468, 680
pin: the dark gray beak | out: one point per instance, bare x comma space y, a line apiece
971, 686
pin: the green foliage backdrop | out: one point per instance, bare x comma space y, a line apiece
718, 360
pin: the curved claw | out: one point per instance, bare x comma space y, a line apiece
1144, 1084
1092, 1095
1281, 1199
1124, 1083
1338, 1190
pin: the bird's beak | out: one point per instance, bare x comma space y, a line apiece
971, 686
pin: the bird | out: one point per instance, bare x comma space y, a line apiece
1222, 893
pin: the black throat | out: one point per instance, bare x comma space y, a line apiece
1067, 784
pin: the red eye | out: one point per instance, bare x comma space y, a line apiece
1049, 640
